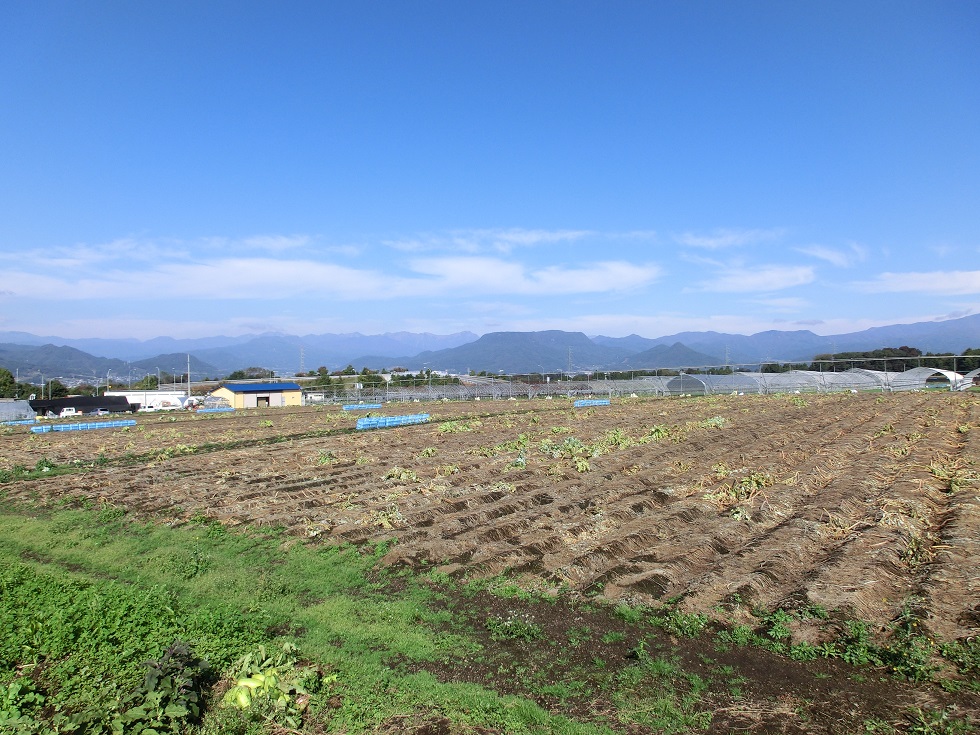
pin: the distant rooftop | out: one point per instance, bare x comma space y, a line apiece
261, 387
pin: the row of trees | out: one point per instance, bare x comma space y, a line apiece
898, 359
322, 378
54, 388
891, 359
10, 388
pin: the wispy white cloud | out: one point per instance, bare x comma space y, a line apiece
274, 278
762, 279
281, 278
492, 275
958, 313
951, 283
490, 240
94, 257
841, 258
726, 238
636, 235
223, 278
412, 244
528, 238
277, 243
82, 256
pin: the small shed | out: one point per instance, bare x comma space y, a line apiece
260, 395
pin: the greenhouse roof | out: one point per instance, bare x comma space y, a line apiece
810, 380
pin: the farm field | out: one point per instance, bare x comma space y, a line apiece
795, 515
866, 503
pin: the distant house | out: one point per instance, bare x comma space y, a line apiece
260, 395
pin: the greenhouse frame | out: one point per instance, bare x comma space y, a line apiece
793, 381
809, 381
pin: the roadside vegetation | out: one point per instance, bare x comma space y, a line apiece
112, 624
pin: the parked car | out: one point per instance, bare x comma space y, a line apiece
101, 412
66, 412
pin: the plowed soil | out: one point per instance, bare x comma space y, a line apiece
854, 502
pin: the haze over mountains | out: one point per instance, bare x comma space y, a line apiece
512, 352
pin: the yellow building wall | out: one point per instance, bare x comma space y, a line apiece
235, 400
249, 400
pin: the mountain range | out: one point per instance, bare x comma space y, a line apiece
511, 352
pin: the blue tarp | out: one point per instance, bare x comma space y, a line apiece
596, 402
226, 409
84, 426
380, 422
361, 406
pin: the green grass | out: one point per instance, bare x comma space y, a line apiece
658, 694
88, 597
107, 620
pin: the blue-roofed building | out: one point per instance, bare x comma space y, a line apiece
260, 395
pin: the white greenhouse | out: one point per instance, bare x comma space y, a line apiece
809, 381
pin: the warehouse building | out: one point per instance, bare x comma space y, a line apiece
260, 395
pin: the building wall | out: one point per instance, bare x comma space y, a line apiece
152, 397
260, 398
234, 399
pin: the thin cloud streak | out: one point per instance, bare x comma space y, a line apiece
490, 275
949, 283
726, 238
760, 279
839, 258
272, 278
488, 240
277, 243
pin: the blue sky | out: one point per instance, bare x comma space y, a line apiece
201, 168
